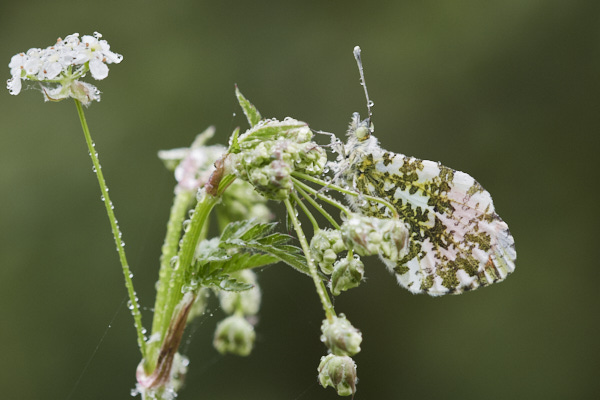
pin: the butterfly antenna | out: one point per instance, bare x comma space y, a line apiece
362, 80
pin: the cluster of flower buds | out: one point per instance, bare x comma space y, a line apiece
347, 273
340, 337
271, 150
337, 369
59, 67
339, 372
370, 236
235, 334
324, 248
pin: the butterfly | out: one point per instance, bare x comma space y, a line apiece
457, 241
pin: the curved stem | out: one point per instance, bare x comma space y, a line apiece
299, 184
306, 211
319, 285
316, 205
134, 306
346, 191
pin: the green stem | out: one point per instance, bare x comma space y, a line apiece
316, 205
319, 285
306, 211
134, 306
346, 191
299, 184
181, 204
185, 257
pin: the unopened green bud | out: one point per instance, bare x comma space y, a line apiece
271, 150
387, 237
234, 335
340, 337
347, 274
324, 246
246, 302
339, 372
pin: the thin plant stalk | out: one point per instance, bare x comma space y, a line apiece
319, 285
133, 302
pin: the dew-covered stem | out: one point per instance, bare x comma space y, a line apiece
134, 306
184, 259
346, 191
306, 211
301, 185
317, 206
319, 285
181, 204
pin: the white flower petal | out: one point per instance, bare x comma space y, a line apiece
14, 85
98, 69
52, 70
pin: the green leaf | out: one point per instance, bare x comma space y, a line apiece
251, 112
234, 146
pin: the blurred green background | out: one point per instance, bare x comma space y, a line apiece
508, 91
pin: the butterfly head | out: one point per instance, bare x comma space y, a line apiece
360, 130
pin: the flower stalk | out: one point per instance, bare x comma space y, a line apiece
133, 302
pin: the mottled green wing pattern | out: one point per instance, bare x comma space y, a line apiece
457, 241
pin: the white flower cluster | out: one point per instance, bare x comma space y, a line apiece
61, 65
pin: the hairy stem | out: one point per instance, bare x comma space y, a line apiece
134, 306
319, 285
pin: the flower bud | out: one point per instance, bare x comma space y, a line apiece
340, 337
271, 150
370, 235
347, 274
246, 302
324, 246
339, 372
234, 335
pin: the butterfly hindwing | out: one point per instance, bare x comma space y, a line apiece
457, 241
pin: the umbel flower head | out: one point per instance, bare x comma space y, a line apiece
58, 68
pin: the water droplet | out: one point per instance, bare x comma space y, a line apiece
371, 103
130, 305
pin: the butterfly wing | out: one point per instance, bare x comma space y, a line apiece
457, 241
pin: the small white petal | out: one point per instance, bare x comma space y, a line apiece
32, 66
14, 85
98, 69
52, 70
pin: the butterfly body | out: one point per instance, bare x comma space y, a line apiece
457, 241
